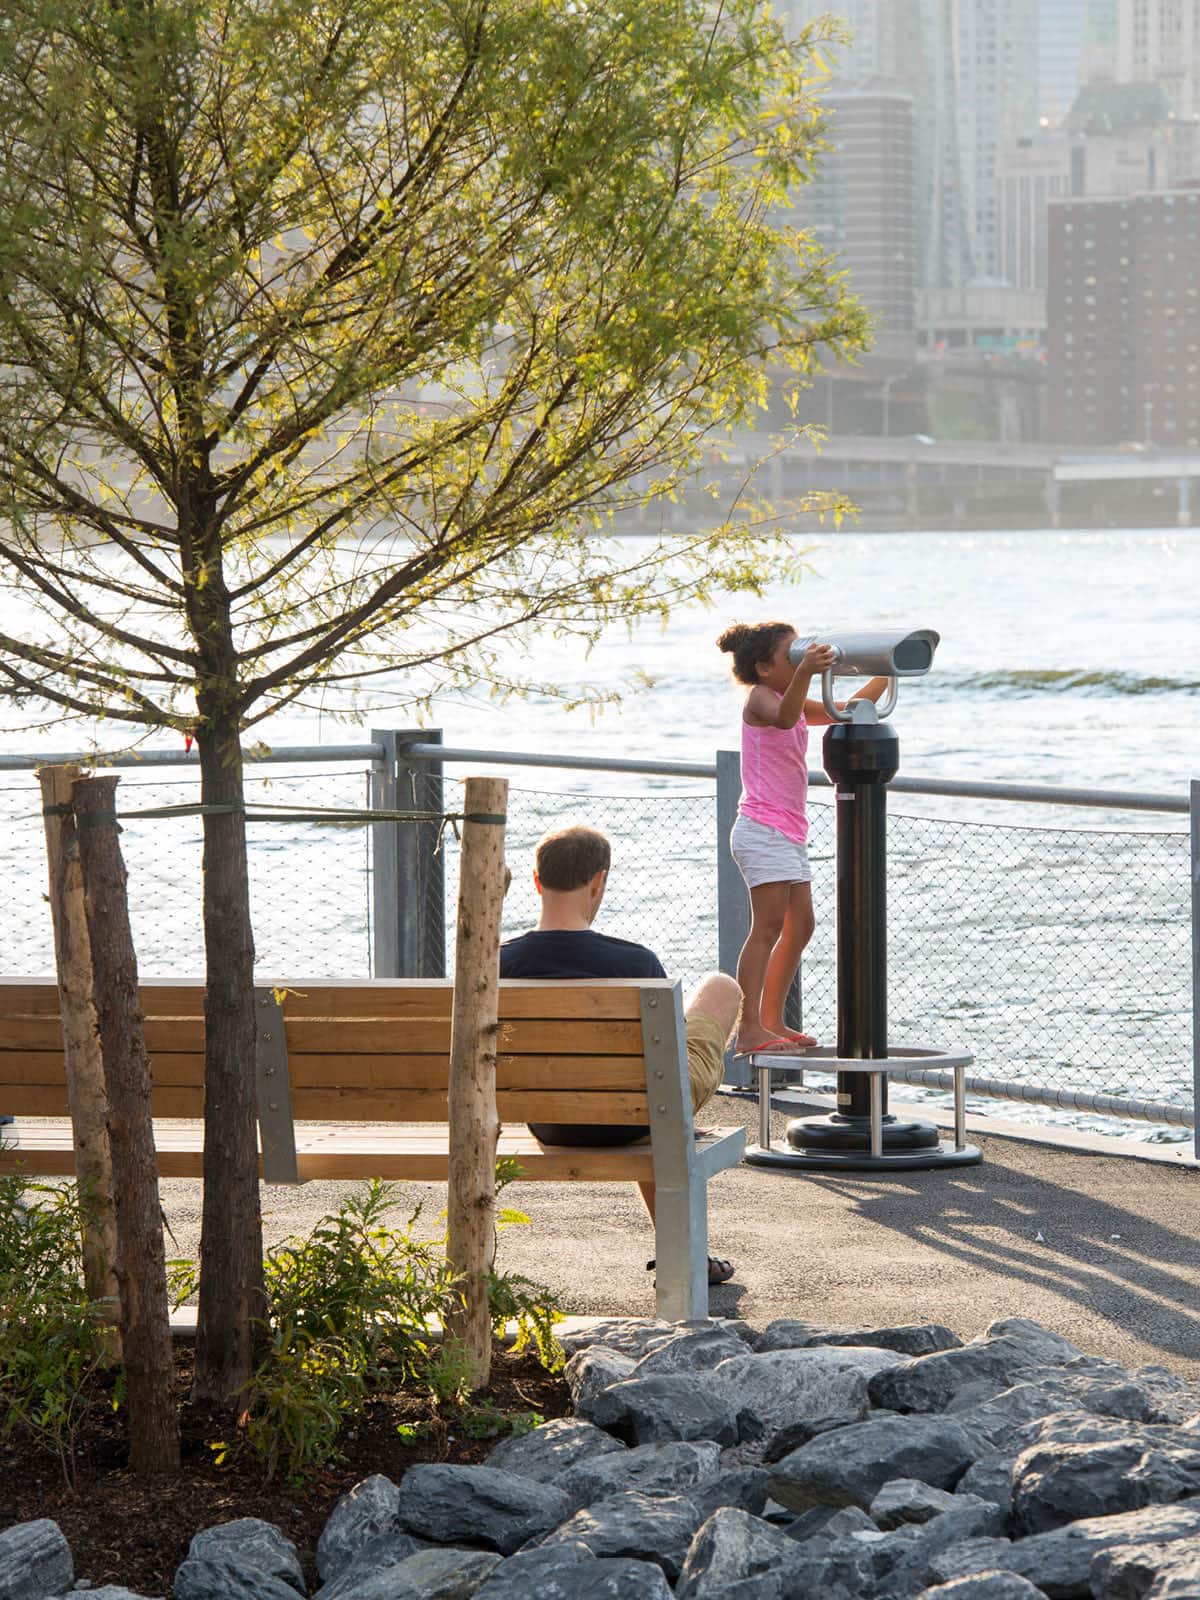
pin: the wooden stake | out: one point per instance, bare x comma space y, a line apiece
140, 1260
81, 1049
474, 1124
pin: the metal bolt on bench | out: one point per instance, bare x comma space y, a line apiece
861, 757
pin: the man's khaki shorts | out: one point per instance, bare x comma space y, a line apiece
706, 1057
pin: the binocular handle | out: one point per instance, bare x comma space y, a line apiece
879, 710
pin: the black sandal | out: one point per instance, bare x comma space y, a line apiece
719, 1269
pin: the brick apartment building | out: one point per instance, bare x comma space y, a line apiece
1123, 320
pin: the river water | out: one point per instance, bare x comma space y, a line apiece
1051, 942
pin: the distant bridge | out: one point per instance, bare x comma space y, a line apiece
906, 482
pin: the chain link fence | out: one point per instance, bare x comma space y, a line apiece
309, 881
1057, 956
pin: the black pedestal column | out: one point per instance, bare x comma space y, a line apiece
861, 758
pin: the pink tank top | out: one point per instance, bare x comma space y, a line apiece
775, 778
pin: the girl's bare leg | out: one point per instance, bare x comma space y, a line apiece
768, 911
784, 960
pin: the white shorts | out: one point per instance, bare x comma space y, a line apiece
764, 855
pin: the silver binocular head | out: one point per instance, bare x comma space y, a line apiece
888, 653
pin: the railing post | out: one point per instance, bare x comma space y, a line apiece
408, 897
1195, 795
733, 906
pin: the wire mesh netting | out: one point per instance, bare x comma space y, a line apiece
1056, 956
309, 881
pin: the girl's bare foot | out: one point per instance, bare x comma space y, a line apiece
766, 1044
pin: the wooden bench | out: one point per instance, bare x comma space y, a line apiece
352, 1084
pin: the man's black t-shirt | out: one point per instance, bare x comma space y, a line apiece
578, 953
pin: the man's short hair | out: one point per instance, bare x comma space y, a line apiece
571, 857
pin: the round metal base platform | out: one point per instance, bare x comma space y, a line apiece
941, 1155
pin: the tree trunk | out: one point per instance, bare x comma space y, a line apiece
231, 1266
140, 1263
474, 1124
81, 1050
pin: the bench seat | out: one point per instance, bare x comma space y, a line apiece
351, 1081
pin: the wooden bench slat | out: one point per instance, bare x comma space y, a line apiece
588, 1074
384, 998
336, 1152
371, 1105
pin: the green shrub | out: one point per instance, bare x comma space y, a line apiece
52, 1337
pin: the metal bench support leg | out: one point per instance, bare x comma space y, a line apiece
876, 1115
681, 1195
960, 1109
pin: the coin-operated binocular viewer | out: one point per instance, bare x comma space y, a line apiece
861, 755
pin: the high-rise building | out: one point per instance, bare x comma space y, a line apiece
862, 207
1123, 340
1062, 30
995, 44
1158, 41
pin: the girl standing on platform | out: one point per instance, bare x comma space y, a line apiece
769, 838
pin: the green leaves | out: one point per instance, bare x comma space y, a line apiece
367, 310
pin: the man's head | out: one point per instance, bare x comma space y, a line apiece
570, 872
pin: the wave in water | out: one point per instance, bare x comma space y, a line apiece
1037, 680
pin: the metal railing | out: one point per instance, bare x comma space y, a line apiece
1068, 961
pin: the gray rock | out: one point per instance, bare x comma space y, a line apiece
429, 1575
990, 1478
902, 1558
850, 1467
691, 1350
743, 1488
1059, 1562
766, 1586
360, 1516
35, 1561
543, 1570
908, 1500
553, 1449
909, 1339
477, 1505
674, 1406
388, 1550
780, 1387
1047, 1346
729, 1546
844, 1571
797, 1433
244, 1558
985, 1586
993, 1420
1070, 1475
590, 1373
629, 1336
111, 1591
828, 1525
650, 1468
604, 1579
1132, 1571
930, 1383
656, 1528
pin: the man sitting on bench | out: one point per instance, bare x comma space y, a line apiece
570, 875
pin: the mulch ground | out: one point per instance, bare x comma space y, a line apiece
135, 1531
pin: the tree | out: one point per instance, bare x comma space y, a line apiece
331, 334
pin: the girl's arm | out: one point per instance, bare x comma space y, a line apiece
817, 716
764, 710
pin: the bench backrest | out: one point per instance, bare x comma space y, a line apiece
378, 1051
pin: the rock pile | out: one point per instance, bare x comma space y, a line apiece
718, 1463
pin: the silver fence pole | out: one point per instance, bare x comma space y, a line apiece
385, 861
422, 864
733, 907
409, 891
1195, 796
